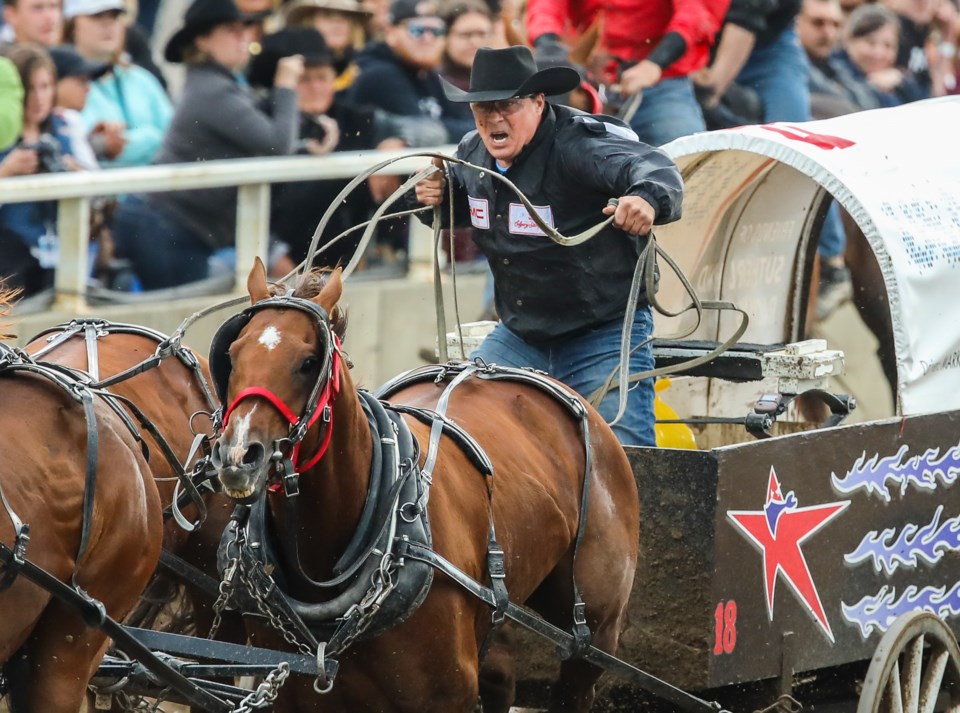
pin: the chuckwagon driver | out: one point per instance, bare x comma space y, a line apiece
561, 308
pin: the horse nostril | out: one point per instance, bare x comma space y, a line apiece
216, 457
254, 455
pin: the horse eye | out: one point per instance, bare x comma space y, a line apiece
309, 365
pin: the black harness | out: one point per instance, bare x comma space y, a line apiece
387, 568
92, 330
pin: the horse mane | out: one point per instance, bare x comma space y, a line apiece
7, 299
309, 286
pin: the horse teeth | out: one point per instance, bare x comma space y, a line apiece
238, 494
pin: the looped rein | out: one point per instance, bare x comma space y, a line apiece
312, 412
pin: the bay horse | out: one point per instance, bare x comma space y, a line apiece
175, 397
94, 517
280, 358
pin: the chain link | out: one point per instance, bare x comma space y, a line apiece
266, 693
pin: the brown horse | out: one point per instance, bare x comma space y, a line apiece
176, 400
47, 652
431, 660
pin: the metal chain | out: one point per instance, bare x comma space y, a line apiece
784, 704
263, 606
381, 585
226, 585
266, 693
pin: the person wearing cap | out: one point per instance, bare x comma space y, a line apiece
74, 74
128, 111
170, 237
561, 308
655, 47
32, 21
341, 22
400, 75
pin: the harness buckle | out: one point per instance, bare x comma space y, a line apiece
290, 479
495, 563
580, 614
327, 414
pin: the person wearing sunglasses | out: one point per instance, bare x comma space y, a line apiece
401, 74
561, 308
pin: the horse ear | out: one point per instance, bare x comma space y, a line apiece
332, 291
257, 282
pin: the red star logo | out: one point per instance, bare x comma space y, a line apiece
777, 532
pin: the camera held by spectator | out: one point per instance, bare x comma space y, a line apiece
49, 155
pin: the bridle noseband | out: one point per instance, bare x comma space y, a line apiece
319, 405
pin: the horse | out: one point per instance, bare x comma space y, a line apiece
94, 521
175, 398
569, 557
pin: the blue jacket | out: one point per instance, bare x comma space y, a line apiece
133, 96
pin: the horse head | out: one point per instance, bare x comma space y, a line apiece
276, 368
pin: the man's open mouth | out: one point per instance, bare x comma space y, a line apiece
499, 137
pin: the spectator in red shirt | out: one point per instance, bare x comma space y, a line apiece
656, 45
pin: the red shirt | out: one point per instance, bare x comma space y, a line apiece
633, 28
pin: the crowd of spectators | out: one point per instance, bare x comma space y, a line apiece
80, 90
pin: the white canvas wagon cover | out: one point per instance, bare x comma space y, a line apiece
751, 206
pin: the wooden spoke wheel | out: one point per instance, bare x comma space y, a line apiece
916, 668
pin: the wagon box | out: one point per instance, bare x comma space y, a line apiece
826, 536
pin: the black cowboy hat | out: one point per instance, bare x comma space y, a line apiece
304, 41
202, 16
508, 73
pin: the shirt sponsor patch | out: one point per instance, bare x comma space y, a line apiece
522, 224
480, 213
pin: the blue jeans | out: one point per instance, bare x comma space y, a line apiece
164, 253
668, 111
833, 238
583, 363
778, 72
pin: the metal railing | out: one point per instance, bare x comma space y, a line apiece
253, 178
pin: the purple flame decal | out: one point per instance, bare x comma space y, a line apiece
877, 613
913, 545
877, 475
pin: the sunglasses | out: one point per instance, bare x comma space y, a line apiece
417, 31
504, 107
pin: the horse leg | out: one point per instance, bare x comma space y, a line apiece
498, 676
62, 655
17, 671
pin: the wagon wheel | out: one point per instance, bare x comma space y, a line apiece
916, 668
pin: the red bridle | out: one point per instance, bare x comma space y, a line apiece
323, 403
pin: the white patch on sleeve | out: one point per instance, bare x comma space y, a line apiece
270, 337
522, 224
622, 131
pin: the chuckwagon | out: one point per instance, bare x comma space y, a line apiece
792, 558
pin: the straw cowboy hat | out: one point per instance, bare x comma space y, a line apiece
297, 10
202, 16
508, 73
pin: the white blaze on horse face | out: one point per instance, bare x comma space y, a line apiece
241, 430
270, 337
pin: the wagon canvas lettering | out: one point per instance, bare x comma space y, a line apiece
521, 223
882, 476
479, 213
914, 544
878, 612
778, 531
